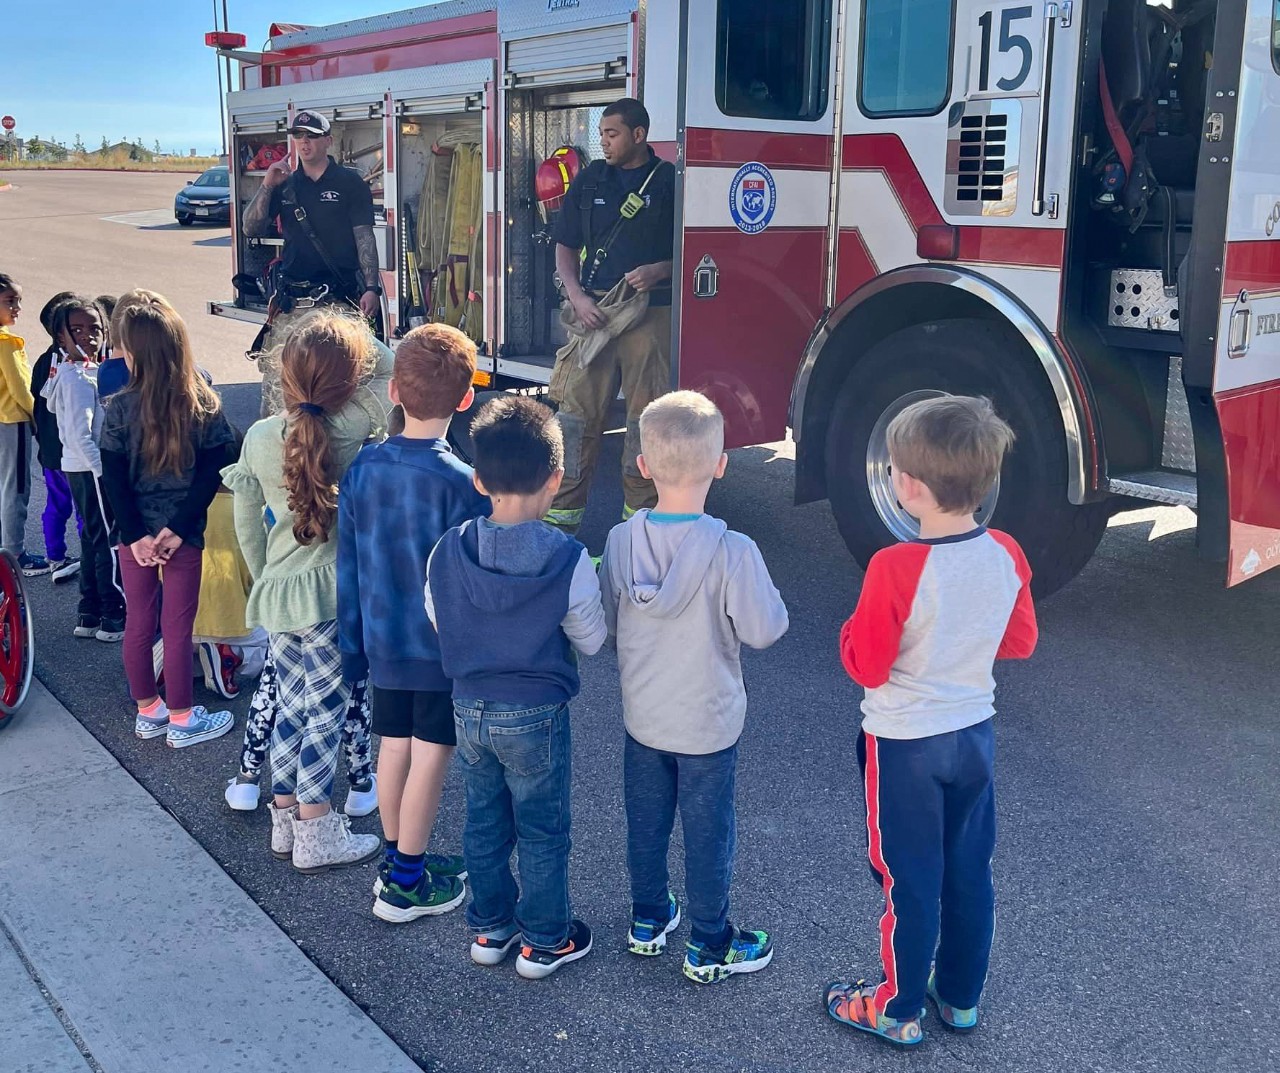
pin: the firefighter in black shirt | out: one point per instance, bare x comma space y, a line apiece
337, 262
621, 211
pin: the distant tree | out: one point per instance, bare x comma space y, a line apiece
78, 146
157, 147
105, 144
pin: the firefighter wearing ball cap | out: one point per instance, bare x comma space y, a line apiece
617, 223
330, 255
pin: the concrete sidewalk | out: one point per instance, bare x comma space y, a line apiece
124, 947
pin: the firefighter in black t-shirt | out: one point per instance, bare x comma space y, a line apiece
330, 258
621, 211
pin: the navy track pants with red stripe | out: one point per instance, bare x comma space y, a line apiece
931, 827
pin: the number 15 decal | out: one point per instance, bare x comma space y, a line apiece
1005, 53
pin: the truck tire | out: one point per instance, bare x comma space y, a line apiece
960, 357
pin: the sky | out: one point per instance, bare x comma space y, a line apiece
136, 70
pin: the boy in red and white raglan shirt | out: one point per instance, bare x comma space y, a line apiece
934, 615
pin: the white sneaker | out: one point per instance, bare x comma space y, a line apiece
327, 842
243, 796
362, 802
282, 821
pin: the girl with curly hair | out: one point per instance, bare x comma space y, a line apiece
288, 475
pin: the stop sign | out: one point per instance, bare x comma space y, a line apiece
8, 122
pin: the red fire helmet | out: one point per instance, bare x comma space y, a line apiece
553, 177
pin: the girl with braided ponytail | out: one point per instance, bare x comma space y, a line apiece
287, 477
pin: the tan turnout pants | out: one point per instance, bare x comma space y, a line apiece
639, 361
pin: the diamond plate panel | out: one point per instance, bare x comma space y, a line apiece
1179, 448
1137, 300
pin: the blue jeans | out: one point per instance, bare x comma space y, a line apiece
654, 783
516, 766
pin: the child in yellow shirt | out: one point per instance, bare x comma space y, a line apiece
16, 405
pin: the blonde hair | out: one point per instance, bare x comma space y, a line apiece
325, 358
173, 394
682, 437
954, 444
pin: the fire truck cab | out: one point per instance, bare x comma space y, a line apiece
1070, 207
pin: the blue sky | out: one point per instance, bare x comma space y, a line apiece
126, 70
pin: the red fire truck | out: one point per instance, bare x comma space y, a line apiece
1072, 207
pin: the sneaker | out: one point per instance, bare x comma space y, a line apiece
382, 879
853, 1005
112, 629
242, 796
362, 802
64, 569
956, 1018
282, 834
219, 664
429, 897
87, 626
327, 842
748, 951
450, 865
492, 947
155, 725
201, 725
33, 565
648, 938
534, 963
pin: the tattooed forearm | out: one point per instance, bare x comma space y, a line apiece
254, 222
367, 247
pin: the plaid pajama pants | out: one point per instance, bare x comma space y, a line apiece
356, 742
312, 698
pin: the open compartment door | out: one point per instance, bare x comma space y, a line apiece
1246, 383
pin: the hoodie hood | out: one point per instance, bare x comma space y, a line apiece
509, 566
653, 586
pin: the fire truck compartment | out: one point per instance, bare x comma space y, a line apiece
540, 121
1140, 133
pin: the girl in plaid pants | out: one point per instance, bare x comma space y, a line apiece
289, 469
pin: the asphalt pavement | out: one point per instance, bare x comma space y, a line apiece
1138, 763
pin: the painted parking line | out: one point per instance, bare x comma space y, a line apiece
145, 218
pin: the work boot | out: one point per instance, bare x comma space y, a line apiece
327, 842
282, 821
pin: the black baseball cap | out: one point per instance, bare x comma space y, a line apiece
309, 123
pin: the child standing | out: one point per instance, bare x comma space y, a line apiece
397, 500
16, 405
934, 614
58, 506
70, 393
511, 599
289, 468
682, 594
163, 438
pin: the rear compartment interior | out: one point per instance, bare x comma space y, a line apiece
440, 182
357, 143
540, 122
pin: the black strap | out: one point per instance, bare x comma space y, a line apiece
289, 200
602, 252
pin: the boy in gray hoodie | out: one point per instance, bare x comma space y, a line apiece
682, 593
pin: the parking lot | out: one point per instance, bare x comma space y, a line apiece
1139, 755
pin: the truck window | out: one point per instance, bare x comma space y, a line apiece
772, 59
906, 56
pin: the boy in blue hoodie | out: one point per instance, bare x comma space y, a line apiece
512, 599
397, 499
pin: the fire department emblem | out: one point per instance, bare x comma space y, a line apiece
752, 198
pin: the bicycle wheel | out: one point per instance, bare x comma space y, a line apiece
17, 641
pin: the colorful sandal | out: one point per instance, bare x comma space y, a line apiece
852, 1005
953, 1017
